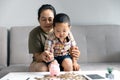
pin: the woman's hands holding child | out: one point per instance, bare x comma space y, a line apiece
75, 53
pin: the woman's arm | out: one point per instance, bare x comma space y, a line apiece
74, 52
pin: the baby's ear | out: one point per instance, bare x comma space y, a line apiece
70, 26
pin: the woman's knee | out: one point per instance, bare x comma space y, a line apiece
32, 67
38, 67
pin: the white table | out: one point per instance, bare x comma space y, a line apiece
32, 75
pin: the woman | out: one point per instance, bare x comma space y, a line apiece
38, 36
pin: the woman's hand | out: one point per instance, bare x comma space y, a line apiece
76, 66
74, 52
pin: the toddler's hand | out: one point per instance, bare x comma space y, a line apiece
49, 56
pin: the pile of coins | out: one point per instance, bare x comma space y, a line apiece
65, 76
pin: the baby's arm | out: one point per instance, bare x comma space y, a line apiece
48, 50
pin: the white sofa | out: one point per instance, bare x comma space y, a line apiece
99, 46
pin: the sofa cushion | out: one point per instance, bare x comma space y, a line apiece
19, 45
98, 43
3, 47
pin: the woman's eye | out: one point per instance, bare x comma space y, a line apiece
43, 19
50, 20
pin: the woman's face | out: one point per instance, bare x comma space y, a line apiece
46, 20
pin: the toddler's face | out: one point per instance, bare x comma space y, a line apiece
61, 30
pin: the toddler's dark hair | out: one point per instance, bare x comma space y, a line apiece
61, 18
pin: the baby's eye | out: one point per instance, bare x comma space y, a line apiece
64, 31
58, 31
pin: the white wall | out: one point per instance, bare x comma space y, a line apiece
81, 12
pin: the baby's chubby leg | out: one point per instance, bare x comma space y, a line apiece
67, 64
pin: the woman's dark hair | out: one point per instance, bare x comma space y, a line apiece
61, 18
44, 7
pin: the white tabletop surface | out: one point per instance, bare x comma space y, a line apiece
32, 75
